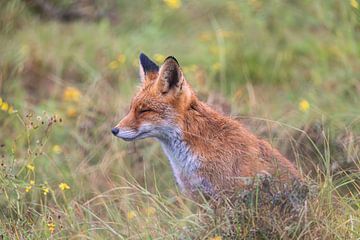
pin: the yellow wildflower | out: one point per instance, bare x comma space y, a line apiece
24, 49
113, 65
225, 34
72, 94
45, 190
255, 4
51, 227
150, 211
71, 112
131, 215
191, 68
354, 4
56, 149
121, 59
11, 109
30, 167
173, 4
304, 105
216, 66
216, 238
214, 49
4, 106
159, 58
28, 188
64, 186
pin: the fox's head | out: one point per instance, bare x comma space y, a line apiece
160, 104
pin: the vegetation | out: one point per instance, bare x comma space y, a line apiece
290, 70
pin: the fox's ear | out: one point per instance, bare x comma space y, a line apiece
146, 66
170, 75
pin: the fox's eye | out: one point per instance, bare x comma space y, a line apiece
143, 110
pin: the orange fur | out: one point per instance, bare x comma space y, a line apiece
208, 151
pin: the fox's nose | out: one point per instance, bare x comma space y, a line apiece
115, 131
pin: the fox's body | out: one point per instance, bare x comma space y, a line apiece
208, 152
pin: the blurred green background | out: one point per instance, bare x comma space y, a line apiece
289, 69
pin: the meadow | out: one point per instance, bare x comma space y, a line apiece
289, 70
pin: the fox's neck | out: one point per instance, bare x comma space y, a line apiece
199, 119
173, 143
183, 162
200, 122
183, 157
203, 123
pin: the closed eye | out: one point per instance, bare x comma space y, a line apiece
144, 110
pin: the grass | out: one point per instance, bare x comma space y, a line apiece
254, 59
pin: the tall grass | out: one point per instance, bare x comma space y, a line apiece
257, 59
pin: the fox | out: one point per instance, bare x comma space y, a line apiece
209, 153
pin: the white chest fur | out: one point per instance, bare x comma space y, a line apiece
184, 163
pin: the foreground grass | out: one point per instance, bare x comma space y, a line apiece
121, 207
242, 57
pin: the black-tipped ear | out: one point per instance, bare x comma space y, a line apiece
170, 76
173, 58
148, 65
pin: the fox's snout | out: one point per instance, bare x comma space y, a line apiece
115, 131
126, 129
126, 134
129, 130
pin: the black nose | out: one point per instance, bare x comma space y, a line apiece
115, 131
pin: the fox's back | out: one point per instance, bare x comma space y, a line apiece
222, 154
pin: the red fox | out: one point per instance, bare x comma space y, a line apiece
208, 152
